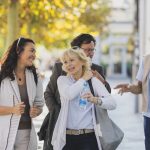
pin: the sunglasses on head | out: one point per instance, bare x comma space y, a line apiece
19, 41
75, 47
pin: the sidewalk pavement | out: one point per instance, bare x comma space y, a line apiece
124, 116
130, 122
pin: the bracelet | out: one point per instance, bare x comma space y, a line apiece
99, 101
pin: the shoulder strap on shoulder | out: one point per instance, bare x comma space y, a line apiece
91, 87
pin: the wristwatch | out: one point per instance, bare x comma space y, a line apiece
99, 101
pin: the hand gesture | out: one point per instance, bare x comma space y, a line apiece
19, 108
34, 111
122, 88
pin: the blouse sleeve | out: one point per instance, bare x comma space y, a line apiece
67, 89
108, 101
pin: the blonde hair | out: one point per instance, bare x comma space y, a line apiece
80, 55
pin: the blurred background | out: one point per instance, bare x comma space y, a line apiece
120, 28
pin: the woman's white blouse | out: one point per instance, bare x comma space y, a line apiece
68, 91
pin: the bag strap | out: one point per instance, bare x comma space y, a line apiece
91, 86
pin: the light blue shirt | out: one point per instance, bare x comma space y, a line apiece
69, 91
79, 118
139, 78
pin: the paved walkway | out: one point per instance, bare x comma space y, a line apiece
129, 121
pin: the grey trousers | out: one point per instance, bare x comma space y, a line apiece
22, 139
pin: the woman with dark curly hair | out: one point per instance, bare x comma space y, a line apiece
21, 97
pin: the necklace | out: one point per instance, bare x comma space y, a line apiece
19, 79
20, 76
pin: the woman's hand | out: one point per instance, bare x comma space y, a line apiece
19, 108
89, 96
35, 111
87, 75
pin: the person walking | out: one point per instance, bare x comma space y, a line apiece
21, 97
51, 94
142, 86
76, 127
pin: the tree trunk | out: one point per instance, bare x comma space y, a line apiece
12, 21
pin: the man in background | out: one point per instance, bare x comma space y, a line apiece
52, 98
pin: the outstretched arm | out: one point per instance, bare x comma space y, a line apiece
133, 88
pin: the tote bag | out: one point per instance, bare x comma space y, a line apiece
111, 134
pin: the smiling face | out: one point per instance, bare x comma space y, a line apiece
27, 56
73, 65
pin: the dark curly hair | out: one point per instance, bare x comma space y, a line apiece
9, 61
82, 39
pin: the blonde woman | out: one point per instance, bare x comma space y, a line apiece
76, 125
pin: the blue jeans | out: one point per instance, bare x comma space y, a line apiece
81, 142
147, 132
